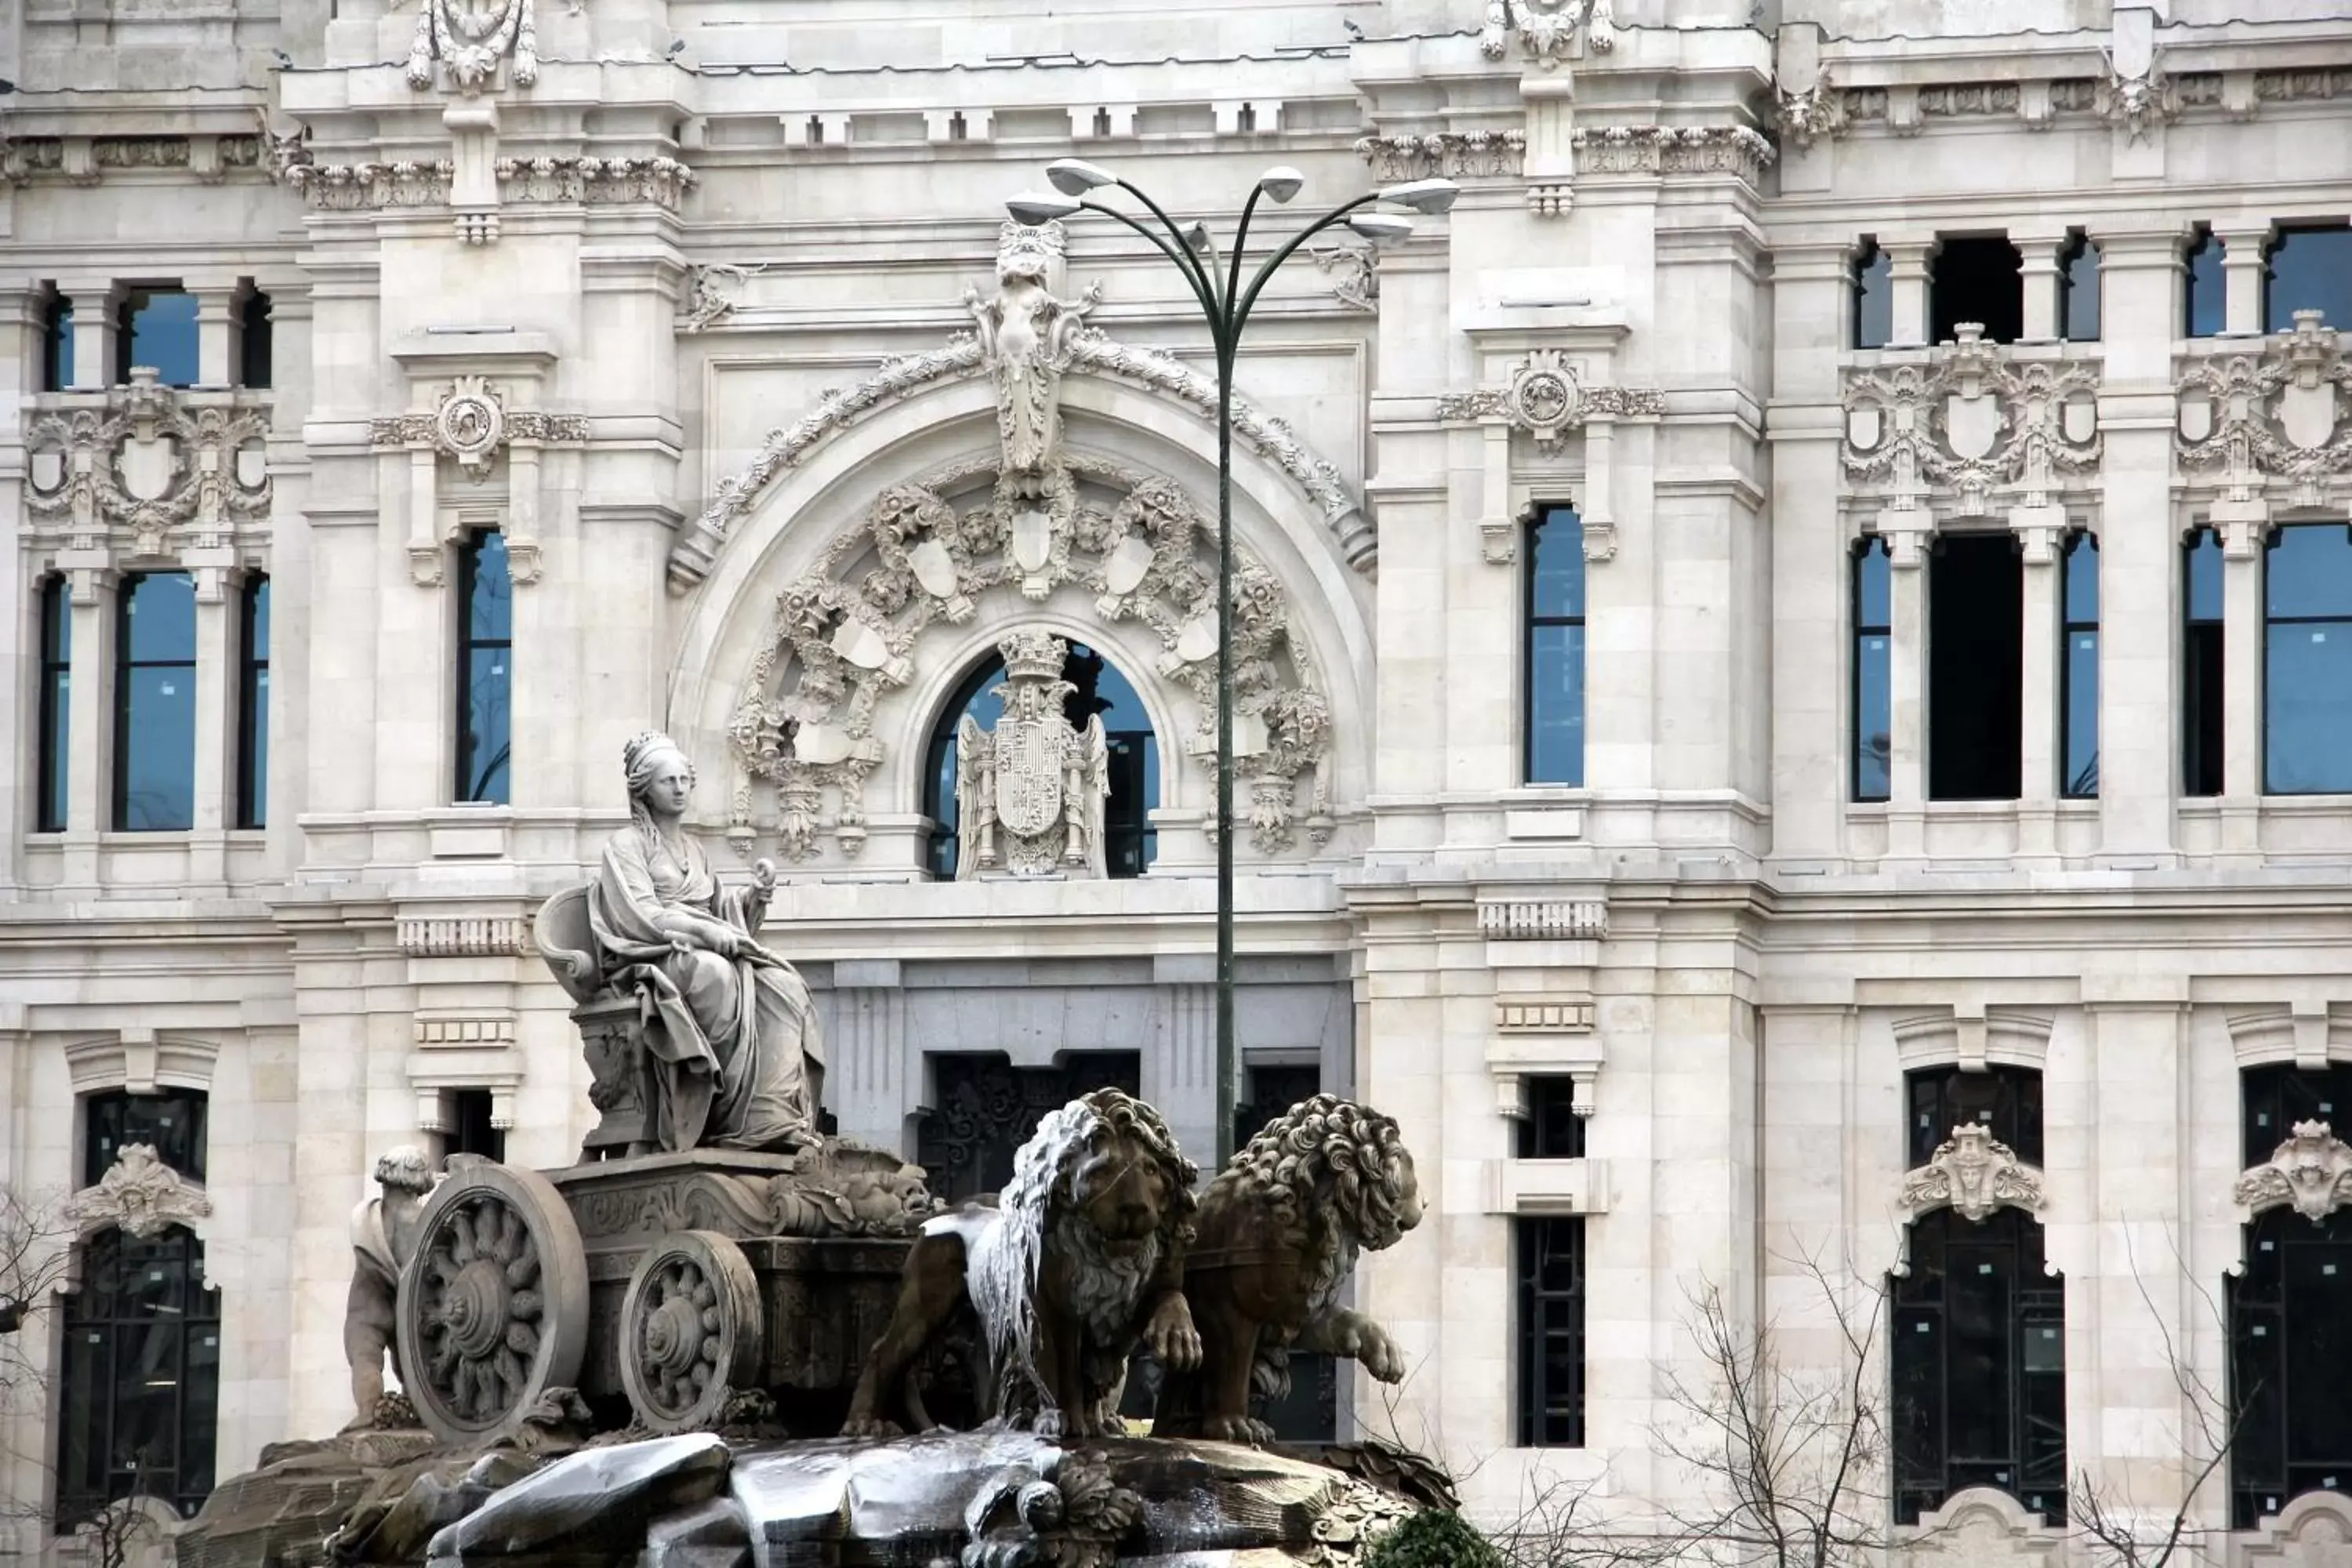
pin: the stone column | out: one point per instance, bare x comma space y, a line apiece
95, 301
2042, 531
90, 721
216, 336
2242, 266
1907, 261
1907, 533
1180, 1070
2243, 526
2139, 551
870, 1087
2044, 286
217, 588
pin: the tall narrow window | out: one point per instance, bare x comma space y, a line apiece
1978, 1355
253, 707
2206, 302
1555, 731
158, 329
1979, 278
56, 698
2200, 664
1551, 1129
57, 343
471, 1131
2289, 1313
1976, 668
485, 669
2078, 300
155, 704
1550, 1266
1873, 695
254, 340
2078, 761
2310, 268
1873, 297
2307, 660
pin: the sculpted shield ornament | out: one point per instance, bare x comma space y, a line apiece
1029, 795
1029, 772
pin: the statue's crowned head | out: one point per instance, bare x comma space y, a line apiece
1027, 250
643, 758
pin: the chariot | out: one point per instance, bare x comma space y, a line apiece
661, 1286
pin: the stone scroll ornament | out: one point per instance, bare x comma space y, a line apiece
1030, 794
470, 37
1081, 1260
1972, 1173
2246, 420
139, 1195
2312, 1170
152, 463
1280, 1230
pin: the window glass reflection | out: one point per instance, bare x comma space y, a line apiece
1555, 648
484, 669
1874, 299
2307, 661
2207, 295
158, 329
155, 705
2310, 269
2079, 671
1872, 695
56, 704
253, 709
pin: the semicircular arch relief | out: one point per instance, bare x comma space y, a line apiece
1085, 542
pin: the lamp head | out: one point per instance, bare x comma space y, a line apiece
1381, 228
1076, 176
1281, 185
1196, 236
1034, 207
1428, 197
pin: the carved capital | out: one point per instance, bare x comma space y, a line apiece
2312, 1170
1972, 1175
139, 1195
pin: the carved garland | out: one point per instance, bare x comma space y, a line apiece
1544, 398
470, 42
1972, 1175
149, 461
844, 635
1546, 29
2281, 415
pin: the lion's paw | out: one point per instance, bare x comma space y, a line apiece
1050, 1422
1379, 1354
870, 1426
1231, 1429
1171, 1336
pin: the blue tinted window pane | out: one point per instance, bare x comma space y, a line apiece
1556, 705
2307, 703
1874, 601
491, 611
1874, 720
2308, 571
1874, 301
1558, 564
2207, 291
2080, 766
487, 738
57, 348
2205, 578
2310, 269
253, 710
56, 699
161, 611
256, 810
2081, 303
159, 760
256, 643
164, 334
2083, 582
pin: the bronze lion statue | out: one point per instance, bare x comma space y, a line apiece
1082, 1256
1279, 1232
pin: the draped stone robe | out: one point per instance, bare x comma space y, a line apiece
733, 1044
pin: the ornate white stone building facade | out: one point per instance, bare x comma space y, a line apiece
702, 319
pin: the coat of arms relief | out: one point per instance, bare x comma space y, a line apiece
1029, 794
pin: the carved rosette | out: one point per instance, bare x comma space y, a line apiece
1545, 398
139, 1195
1972, 1173
1972, 422
844, 637
2312, 1170
151, 462
471, 423
2249, 421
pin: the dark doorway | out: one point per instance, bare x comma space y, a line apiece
1976, 618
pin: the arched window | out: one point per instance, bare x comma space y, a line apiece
2290, 1315
1130, 841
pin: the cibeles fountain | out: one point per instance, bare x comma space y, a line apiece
725, 1337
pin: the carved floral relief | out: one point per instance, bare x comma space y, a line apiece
2247, 420
470, 39
153, 461
1971, 422
2312, 1170
1545, 398
1972, 1173
139, 1195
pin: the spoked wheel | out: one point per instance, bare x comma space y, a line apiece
691, 1331
493, 1307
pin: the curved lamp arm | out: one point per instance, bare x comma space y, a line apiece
1336, 215
1176, 253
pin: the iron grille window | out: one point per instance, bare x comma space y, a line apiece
55, 749
983, 1109
155, 704
2079, 673
1978, 1365
2006, 1100
1272, 1092
2307, 660
172, 1123
1551, 1129
1131, 843
253, 707
2200, 664
138, 1394
484, 669
1308, 1412
1550, 1267
1555, 650
2205, 302
1872, 695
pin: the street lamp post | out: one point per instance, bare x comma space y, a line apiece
1225, 303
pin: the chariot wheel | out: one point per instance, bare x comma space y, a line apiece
691, 1331
493, 1306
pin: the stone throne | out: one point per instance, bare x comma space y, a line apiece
612, 1031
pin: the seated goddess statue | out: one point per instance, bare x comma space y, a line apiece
731, 1037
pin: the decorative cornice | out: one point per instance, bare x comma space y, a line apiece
1455, 154
364, 187
1972, 1173
1672, 150
472, 422
2312, 1170
139, 1195
1543, 1014
1544, 398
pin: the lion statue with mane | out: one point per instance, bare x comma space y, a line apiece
1081, 1256
1280, 1229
